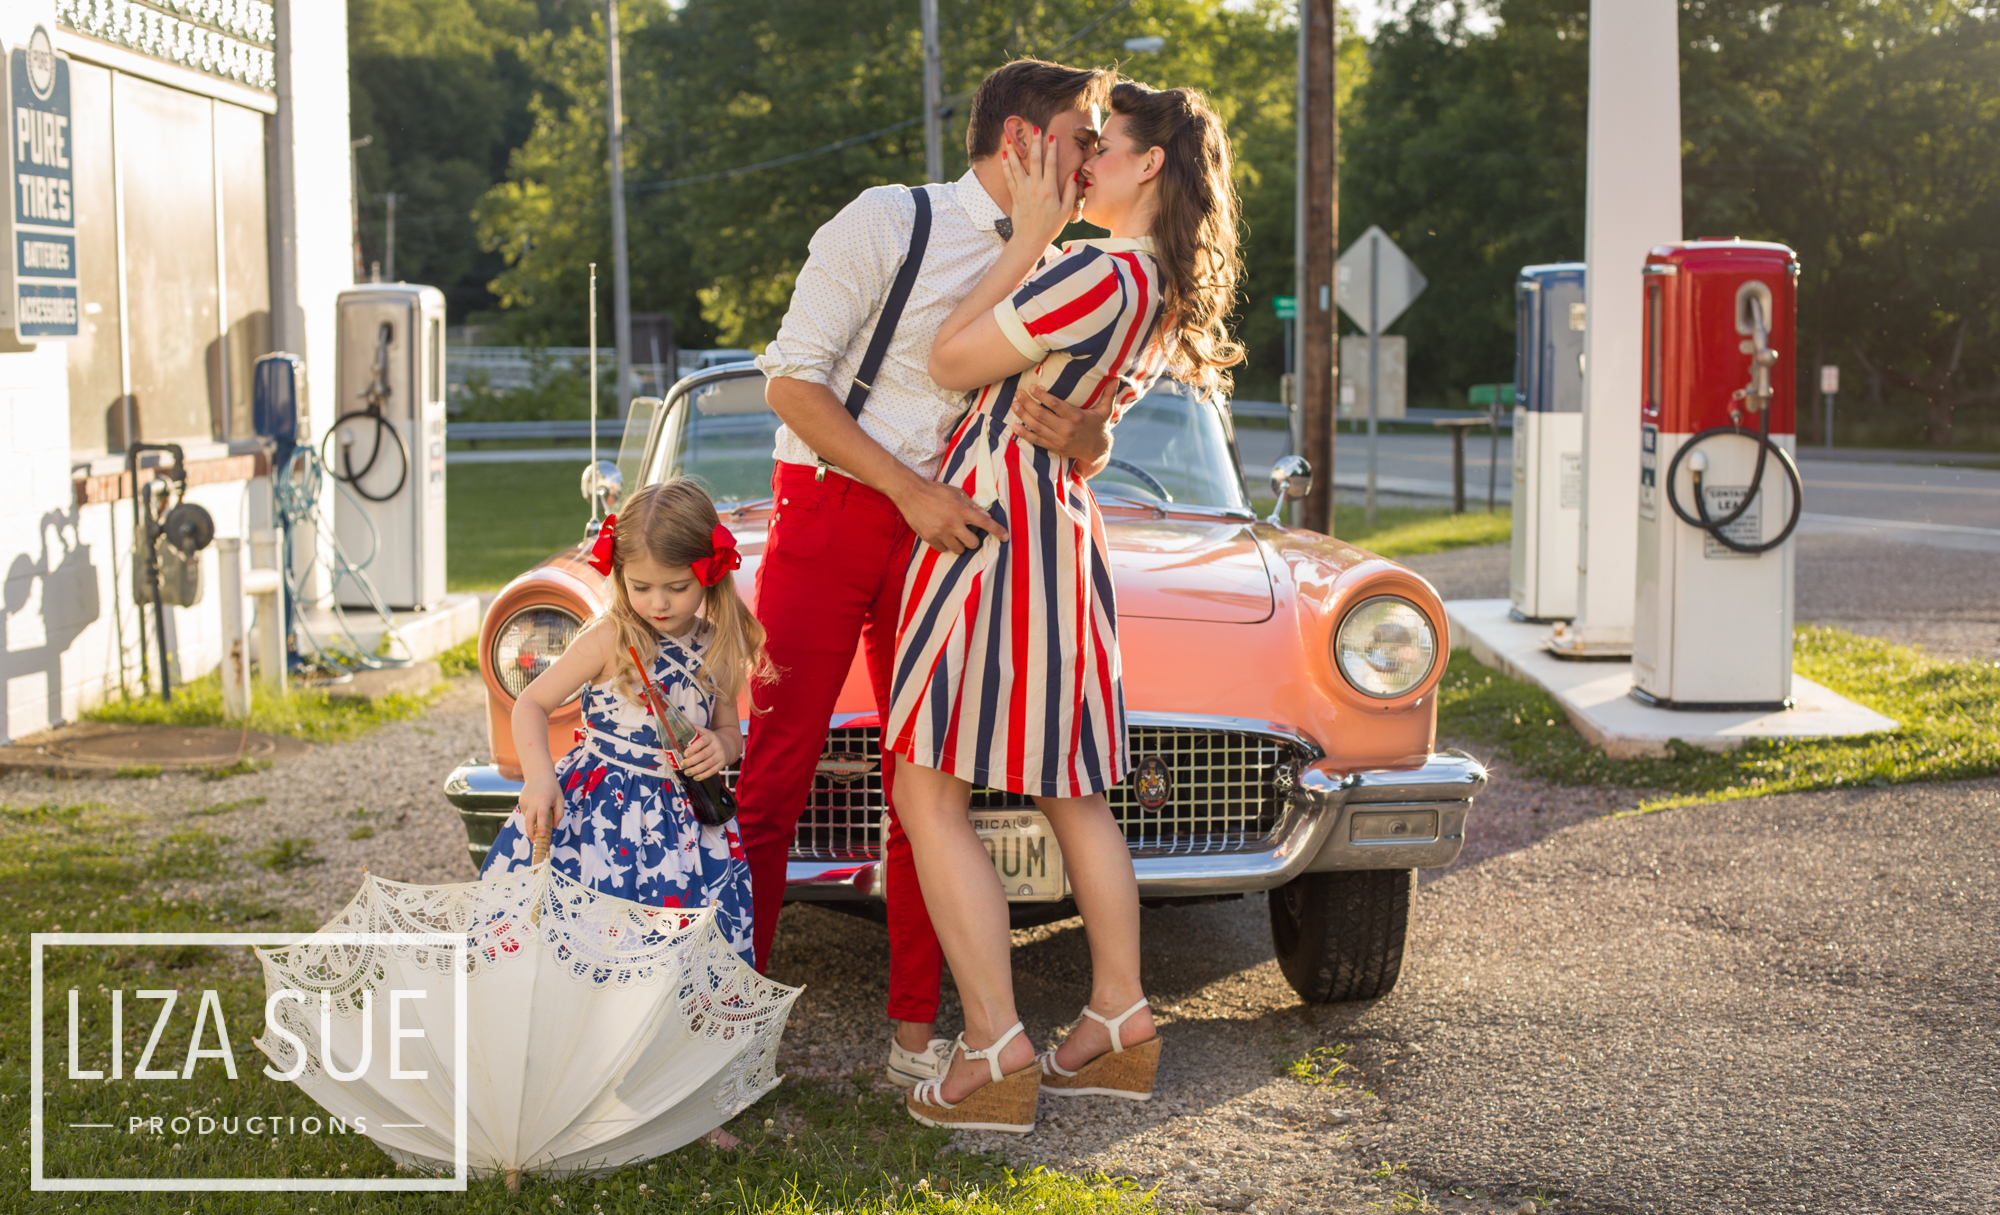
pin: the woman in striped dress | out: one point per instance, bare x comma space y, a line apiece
1007, 670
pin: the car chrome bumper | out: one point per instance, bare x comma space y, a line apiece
1402, 818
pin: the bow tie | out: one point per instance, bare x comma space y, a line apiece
1005, 227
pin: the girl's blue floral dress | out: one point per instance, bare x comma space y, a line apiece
626, 828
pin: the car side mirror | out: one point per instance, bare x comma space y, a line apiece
603, 487
1291, 479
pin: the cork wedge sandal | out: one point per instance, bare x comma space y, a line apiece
1005, 1104
1124, 1071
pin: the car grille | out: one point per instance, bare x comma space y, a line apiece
1224, 796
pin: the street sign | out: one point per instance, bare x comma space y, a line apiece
1286, 306
1829, 379
1483, 394
1374, 263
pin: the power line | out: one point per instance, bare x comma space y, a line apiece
950, 104
1103, 17
677, 182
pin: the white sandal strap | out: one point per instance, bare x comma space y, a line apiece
930, 1092
1115, 1024
992, 1053
1049, 1065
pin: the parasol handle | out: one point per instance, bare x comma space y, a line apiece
538, 858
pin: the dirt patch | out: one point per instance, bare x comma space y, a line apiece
90, 749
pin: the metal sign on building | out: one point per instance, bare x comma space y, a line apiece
42, 292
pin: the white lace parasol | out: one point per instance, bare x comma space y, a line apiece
599, 1031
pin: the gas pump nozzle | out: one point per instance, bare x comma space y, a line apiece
1757, 394
1752, 318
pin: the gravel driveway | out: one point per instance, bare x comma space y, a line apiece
1787, 1004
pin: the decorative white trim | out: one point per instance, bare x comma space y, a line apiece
86, 49
243, 55
1017, 333
1114, 244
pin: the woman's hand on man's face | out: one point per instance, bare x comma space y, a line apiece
1043, 198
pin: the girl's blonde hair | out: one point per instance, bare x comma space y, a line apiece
673, 523
1194, 232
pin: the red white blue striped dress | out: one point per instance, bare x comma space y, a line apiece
1007, 668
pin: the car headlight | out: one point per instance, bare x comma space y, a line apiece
531, 640
1385, 647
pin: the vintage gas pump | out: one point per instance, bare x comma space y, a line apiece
387, 447
1548, 440
1719, 494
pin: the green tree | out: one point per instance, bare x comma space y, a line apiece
439, 90
712, 86
1468, 149
1864, 133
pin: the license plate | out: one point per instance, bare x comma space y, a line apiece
1025, 855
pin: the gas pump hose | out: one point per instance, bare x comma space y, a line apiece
1713, 526
345, 471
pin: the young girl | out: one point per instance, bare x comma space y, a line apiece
621, 824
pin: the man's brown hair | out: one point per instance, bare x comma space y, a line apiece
1034, 89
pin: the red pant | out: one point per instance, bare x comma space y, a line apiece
832, 574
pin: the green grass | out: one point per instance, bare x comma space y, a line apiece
285, 855
301, 713
1320, 1065
808, 1147
242, 767
1407, 531
461, 659
1949, 714
501, 519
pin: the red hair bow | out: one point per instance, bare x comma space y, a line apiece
709, 570
600, 552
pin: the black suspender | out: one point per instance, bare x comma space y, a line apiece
892, 308
892, 312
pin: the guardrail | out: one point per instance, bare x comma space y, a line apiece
1410, 417
473, 433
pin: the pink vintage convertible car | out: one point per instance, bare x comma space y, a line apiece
1280, 689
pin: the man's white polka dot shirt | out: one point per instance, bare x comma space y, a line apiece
838, 299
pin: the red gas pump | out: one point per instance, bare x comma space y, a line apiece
1719, 493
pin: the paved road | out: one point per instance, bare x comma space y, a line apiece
1939, 506
1407, 465
1944, 599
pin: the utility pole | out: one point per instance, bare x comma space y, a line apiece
1375, 360
390, 198
1319, 225
933, 94
354, 147
621, 270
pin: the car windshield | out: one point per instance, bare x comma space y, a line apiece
1169, 448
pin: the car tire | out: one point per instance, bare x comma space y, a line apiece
1340, 935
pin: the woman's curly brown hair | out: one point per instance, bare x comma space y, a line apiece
1194, 232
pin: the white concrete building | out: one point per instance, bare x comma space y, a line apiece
208, 151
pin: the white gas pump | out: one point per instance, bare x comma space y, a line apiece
387, 448
1719, 494
1548, 441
